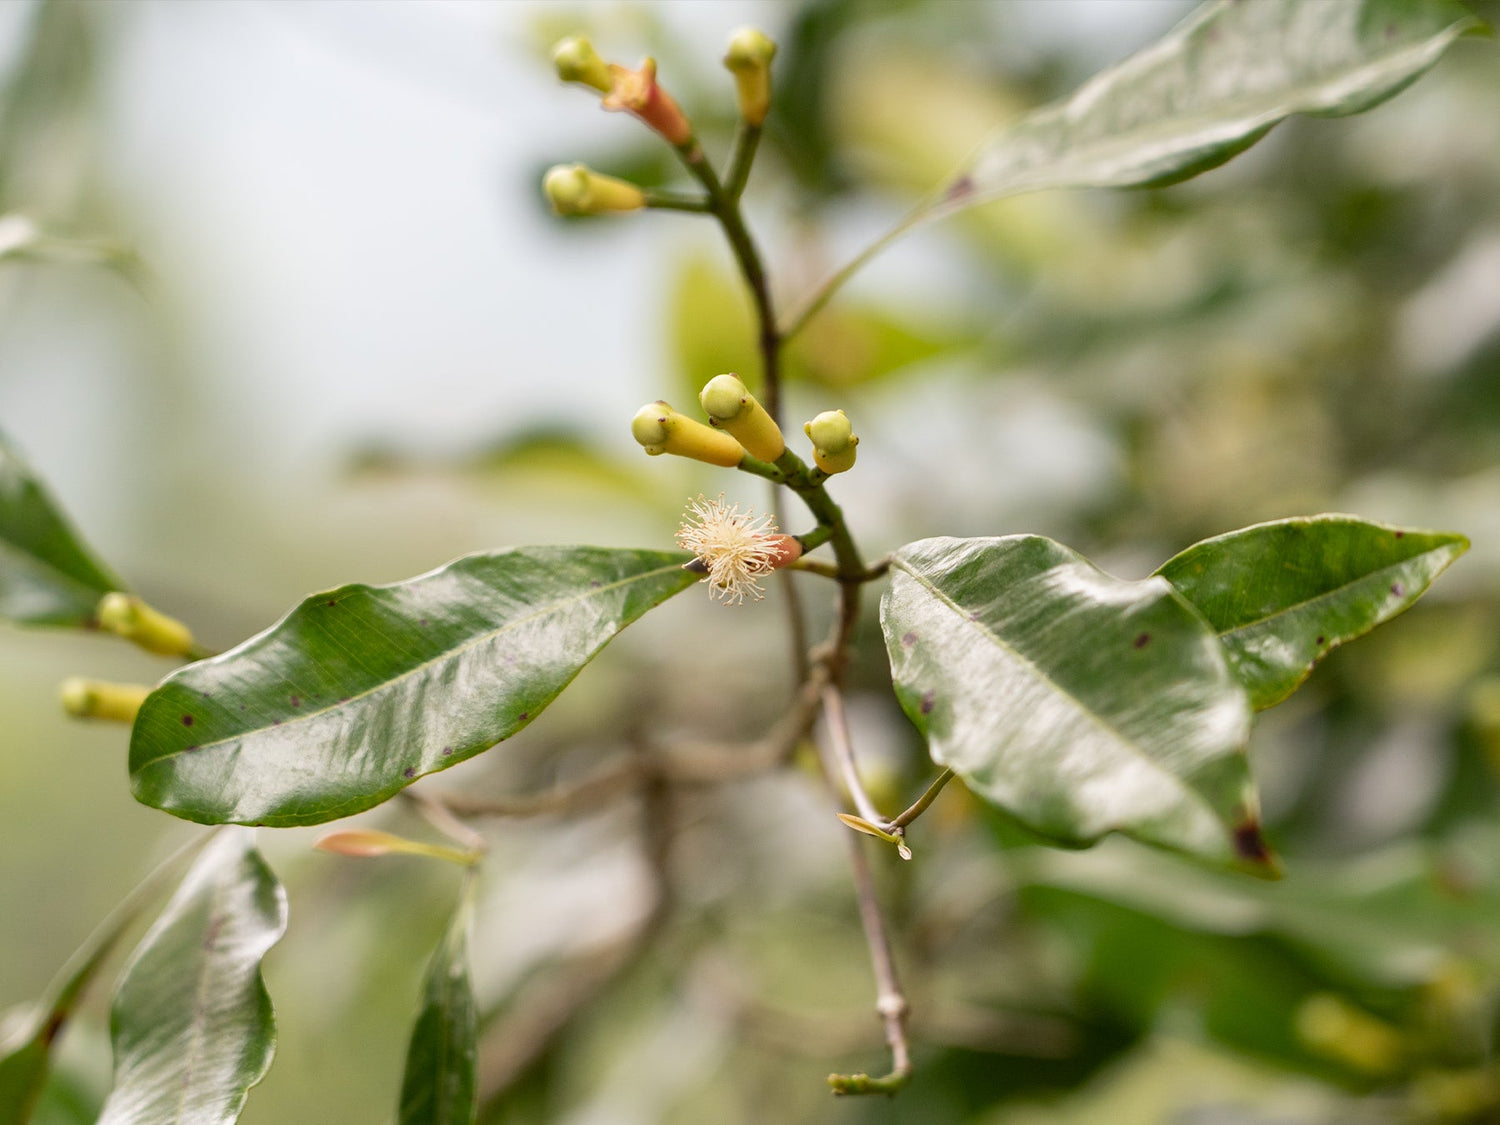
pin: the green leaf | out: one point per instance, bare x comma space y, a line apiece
361, 690
47, 575
191, 1022
1283, 594
438, 1087
1210, 89
1080, 703
26, 1060
23, 1073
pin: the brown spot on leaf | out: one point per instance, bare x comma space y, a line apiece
908, 639
929, 697
1400, 535
187, 720
409, 771
1321, 640
296, 701
595, 584
331, 601
1141, 641
524, 716
959, 188
422, 621
1398, 589
190, 749
447, 750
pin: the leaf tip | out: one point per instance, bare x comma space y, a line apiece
1255, 853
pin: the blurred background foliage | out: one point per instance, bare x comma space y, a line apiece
280, 308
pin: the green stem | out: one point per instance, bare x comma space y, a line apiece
741, 157
921, 803
815, 538
725, 207
672, 201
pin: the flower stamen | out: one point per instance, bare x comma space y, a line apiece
734, 548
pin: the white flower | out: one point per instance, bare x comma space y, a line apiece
734, 548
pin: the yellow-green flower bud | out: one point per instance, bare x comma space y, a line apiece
833, 441
96, 699
660, 429
730, 407
576, 189
749, 60
576, 61
127, 616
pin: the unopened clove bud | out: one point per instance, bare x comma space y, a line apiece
749, 60
833, 441
127, 616
575, 60
98, 699
576, 189
733, 409
660, 429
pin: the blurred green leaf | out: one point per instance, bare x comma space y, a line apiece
1284, 594
23, 1073
1080, 703
360, 690
711, 328
25, 1068
47, 575
439, 1084
712, 331
191, 1021
1392, 919
1210, 89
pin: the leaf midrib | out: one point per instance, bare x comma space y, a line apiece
449, 654
1337, 590
1239, 109
1047, 680
1249, 105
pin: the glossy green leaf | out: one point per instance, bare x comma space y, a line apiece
1080, 703
439, 1084
1283, 594
47, 575
361, 690
191, 1022
1211, 88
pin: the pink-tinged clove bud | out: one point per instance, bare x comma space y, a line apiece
637, 92
749, 60
660, 429
370, 843
733, 409
575, 189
